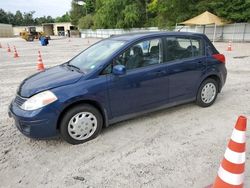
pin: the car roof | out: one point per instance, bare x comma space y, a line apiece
136, 36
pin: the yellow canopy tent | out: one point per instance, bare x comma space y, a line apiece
206, 18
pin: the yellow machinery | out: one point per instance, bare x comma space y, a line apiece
30, 33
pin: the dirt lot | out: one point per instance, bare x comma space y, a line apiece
178, 147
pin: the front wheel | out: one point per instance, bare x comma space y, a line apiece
81, 124
30, 39
207, 93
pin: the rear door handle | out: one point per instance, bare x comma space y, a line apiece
201, 63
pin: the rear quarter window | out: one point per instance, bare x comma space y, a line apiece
197, 47
211, 50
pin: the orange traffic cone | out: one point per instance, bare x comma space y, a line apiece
231, 171
40, 65
15, 53
8, 49
229, 47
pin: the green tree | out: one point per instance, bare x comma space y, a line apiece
152, 7
131, 16
86, 22
120, 14
76, 12
98, 4
63, 18
28, 18
171, 12
18, 18
44, 19
90, 6
109, 15
234, 10
135, 13
49, 19
11, 18
3, 16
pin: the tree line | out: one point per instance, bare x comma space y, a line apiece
135, 13
27, 18
161, 13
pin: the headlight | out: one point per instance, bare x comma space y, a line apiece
39, 100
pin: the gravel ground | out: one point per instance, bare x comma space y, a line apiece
177, 147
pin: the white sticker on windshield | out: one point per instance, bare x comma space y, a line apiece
92, 66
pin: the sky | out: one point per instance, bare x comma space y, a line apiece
52, 8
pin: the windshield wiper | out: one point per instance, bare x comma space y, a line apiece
75, 67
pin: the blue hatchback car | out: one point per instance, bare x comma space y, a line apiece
115, 79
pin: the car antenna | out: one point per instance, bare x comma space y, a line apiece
180, 29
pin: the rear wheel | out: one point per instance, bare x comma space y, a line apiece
207, 93
81, 124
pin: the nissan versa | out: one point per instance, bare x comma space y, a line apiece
115, 79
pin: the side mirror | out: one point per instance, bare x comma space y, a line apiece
119, 70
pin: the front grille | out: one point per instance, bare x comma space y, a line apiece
19, 100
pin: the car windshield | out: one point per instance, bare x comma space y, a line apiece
95, 55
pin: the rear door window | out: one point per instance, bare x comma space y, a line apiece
178, 48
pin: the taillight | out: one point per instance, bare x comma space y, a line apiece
220, 57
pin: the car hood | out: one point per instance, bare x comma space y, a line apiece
48, 79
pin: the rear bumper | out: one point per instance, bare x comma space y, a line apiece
39, 123
223, 77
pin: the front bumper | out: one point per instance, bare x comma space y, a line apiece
40, 123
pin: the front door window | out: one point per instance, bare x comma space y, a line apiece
142, 54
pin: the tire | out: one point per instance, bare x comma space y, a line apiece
83, 120
207, 93
30, 39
